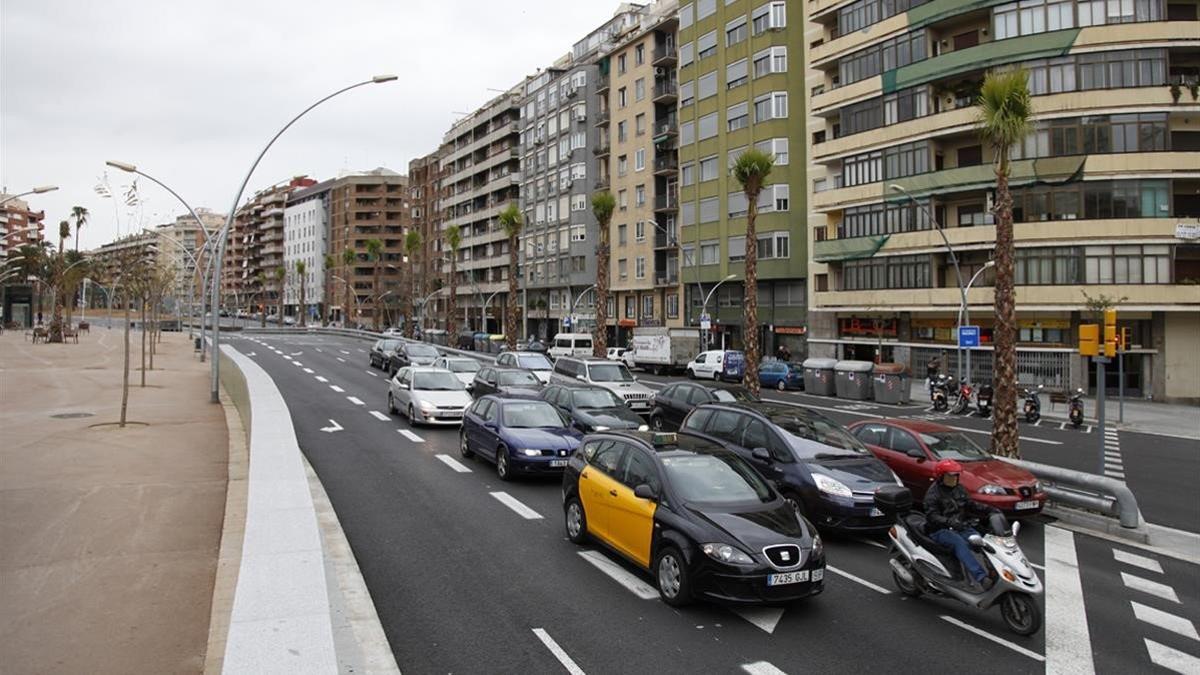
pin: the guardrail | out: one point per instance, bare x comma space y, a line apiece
1076, 488
366, 335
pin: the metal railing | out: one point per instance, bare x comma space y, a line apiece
1076, 488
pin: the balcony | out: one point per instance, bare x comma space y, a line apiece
666, 164
602, 117
602, 84
666, 279
666, 92
602, 148
662, 240
665, 56
667, 202
602, 183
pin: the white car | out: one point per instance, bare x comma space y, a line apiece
428, 395
707, 365
535, 361
616, 354
393, 333
464, 368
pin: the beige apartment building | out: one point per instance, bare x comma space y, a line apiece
1106, 188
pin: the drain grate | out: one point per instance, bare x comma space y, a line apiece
73, 416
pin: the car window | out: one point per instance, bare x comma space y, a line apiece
532, 361
607, 457
389, 345
953, 445
461, 365
700, 358
609, 372
696, 419
377, 345
826, 436
698, 395
487, 375
723, 425
733, 394
480, 407
531, 415
565, 344
550, 395
583, 344
718, 478
503, 359
421, 350
489, 414
595, 398
900, 440
874, 434
515, 377
437, 381
755, 435
640, 470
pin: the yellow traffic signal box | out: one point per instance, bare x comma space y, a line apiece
1089, 339
1110, 332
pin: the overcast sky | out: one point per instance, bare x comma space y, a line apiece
191, 91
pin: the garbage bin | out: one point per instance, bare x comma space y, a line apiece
818, 376
892, 383
197, 344
854, 380
481, 340
495, 344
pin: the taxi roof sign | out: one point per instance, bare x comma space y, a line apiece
664, 438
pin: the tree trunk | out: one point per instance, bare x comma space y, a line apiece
303, 304
510, 313
600, 339
750, 320
143, 341
1004, 330
346, 305
375, 304
280, 299
125, 374
451, 306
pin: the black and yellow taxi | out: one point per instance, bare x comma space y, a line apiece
696, 516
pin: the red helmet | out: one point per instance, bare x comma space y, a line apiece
946, 466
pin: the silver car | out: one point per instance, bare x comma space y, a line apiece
428, 395
463, 367
613, 376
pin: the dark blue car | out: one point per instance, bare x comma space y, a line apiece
780, 375
735, 366
521, 436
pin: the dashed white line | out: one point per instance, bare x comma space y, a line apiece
321, 379
620, 575
1172, 659
1165, 621
341, 359
362, 351
1068, 641
859, 580
1114, 474
371, 373
298, 364
1149, 587
411, 436
1001, 641
355, 401
343, 351
515, 504
379, 416
762, 668
870, 542
1149, 564
337, 389
309, 371
453, 463
558, 652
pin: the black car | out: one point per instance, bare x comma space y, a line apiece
823, 469
593, 408
411, 354
699, 518
381, 351
506, 381
673, 402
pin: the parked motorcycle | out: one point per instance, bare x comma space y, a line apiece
963, 400
1075, 413
939, 392
983, 400
921, 565
1033, 404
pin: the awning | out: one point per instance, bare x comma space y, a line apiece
627, 323
855, 248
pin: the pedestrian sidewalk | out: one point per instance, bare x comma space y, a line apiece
110, 537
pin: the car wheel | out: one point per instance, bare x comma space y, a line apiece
781, 386
576, 522
391, 404
502, 468
463, 448
718, 376
670, 570
691, 374
656, 423
412, 418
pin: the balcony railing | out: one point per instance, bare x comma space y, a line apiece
665, 55
603, 116
666, 164
602, 183
667, 202
602, 84
665, 91
662, 240
666, 279
602, 148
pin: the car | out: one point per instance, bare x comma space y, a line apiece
427, 395
614, 377
463, 367
535, 345
411, 354
393, 332
911, 448
507, 381
381, 351
707, 365
593, 408
616, 354
781, 375
529, 360
824, 470
673, 402
521, 436
694, 515
289, 321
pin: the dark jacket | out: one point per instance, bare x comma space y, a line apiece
948, 508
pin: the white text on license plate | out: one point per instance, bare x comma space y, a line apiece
876, 512
558, 462
1031, 504
787, 578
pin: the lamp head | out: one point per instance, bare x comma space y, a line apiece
44, 188
124, 166
383, 78
990, 263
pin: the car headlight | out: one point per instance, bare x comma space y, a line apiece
991, 490
818, 548
1037, 486
600, 427
427, 406
643, 427
531, 452
726, 554
831, 487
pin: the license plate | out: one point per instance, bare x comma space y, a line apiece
449, 413
787, 578
558, 462
1031, 504
875, 513
818, 574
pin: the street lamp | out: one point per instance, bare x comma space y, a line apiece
191, 281
357, 302
964, 312
35, 191
22, 230
704, 307
225, 229
421, 307
579, 297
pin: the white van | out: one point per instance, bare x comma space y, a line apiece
571, 344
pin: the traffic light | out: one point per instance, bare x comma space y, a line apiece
1089, 339
1123, 342
1110, 332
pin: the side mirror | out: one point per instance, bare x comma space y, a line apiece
581, 378
761, 454
916, 453
644, 491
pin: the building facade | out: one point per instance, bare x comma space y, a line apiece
183, 251
1103, 188
19, 225
424, 185
742, 85
253, 260
306, 240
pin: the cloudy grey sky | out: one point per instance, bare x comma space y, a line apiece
191, 91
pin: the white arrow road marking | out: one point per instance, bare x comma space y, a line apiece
761, 668
558, 652
620, 575
1165, 621
1172, 659
411, 436
515, 504
379, 416
337, 388
335, 427
453, 463
1150, 587
1068, 641
355, 401
1149, 564
765, 618
321, 379
1015, 647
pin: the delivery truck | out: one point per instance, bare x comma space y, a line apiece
662, 350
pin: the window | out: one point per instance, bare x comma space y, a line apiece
639, 159
737, 249
774, 198
886, 273
887, 55
769, 16
687, 93
687, 53
705, 9
622, 131
623, 268
639, 193
774, 245
889, 218
622, 98
708, 210
639, 124
736, 202
623, 199
687, 133
672, 305
707, 85
776, 147
639, 228
639, 54
622, 165
706, 45
579, 202
859, 15
1127, 264
738, 116
689, 255
708, 169
771, 106
1046, 266
773, 60
735, 31
708, 126
735, 74
687, 174
647, 306
621, 65
639, 267
622, 234
639, 89
687, 15
710, 252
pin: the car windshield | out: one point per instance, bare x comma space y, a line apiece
811, 427
596, 398
462, 366
534, 362
437, 382
721, 478
422, 350
953, 445
531, 415
733, 395
389, 345
516, 377
609, 372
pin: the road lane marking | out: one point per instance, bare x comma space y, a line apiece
1015, 647
411, 436
337, 389
1165, 621
1149, 587
859, 580
516, 505
355, 401
341, 359
766, 618
343, 351
321, 379
1172, 659
298, 364
380, 416
453, 463
362, 351
1068, 641
558, 652
1088, 430
371, 373
319, 351
761, 668
870, 542
309, 371
1114, 474
620, 575
335, 427
1149, 564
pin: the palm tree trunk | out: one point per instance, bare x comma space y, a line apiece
1004, 330
303, 304
750, 321
451, 304
375, 305
600, 341
125, 370
510, 314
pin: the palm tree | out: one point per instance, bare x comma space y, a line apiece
261, 279
412, 244
375, 253
301, 269
326, 300
280, 277
1004, 111
453, 241
603, 204
751, 170
80, 214
510, 220
56, 324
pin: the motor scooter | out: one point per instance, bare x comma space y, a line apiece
1075, 412
1033, 404
963, 401
983, 400
921, 565
939, 392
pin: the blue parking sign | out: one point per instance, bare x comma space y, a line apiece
968, 336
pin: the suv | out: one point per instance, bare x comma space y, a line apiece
613, 376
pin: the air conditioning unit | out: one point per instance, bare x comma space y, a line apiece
659, 72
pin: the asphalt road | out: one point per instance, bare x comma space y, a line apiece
464, 583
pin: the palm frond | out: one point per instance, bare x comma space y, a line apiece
603, 204
1005, 108
751, 170
510, 220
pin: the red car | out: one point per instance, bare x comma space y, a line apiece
910, 448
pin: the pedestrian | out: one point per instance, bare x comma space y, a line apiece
931, 372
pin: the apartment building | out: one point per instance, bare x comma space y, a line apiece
741, 85
364, 206
638, 129
424, 183
481, 176
19, 225
180, 247
306, 240
254, 251
1106, 188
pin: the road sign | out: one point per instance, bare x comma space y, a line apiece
968, 336
566, 322
705, 322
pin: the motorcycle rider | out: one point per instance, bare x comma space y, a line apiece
947, 507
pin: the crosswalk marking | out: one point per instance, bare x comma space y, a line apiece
1149, 587
1068, 640
762, 668
1136, 560
1172, 659
1165, 621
